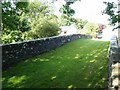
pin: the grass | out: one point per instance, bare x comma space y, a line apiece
78, 64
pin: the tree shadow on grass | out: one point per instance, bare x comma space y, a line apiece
64, 67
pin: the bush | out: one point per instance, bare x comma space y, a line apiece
90, 29
13, 36
43, 28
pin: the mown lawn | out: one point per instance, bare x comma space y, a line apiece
78, 64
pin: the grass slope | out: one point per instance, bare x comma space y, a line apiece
81, 64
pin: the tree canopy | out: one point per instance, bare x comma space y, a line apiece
67, 13
90, 29
19, 19
112, 10
34, 20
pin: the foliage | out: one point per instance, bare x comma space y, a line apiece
65, 20
12, 25
43, 22
11, 15
37, 8
0, 37
100, 28
43, 27
91, 29
27, 20
81, 63
81, 23
66, 9
13, 36
112, 10
67, 13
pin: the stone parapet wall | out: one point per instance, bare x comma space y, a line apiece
114, 64
13, 53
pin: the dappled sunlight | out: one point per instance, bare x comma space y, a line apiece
71, 87
54, 77
92, 61
105, 50
16, 80
85, 78
101, 68
41, 60
59, 62
98, 83
52, 57
67, 66
89, 84
81, 47
95, 56
77, 56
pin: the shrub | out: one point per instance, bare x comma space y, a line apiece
13, 36
43, 28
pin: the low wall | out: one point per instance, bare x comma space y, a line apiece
13, 53
114, 50
113, 59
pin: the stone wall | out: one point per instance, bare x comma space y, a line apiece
13, 53
114, 64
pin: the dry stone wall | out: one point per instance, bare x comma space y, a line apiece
13, 53
114, 65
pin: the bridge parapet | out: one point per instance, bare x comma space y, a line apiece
15, 52
114, 65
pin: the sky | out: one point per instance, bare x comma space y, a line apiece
86, 9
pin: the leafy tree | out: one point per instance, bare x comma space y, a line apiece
11, 14
37, 8
25, 20
65, 20
101, 27
12, 25
43, 27
43, 22
13, 36
81, 23
66, 9
67, 13
90, 29
112, 10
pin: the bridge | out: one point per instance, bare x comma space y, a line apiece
81, 63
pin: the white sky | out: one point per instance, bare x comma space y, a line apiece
86, 9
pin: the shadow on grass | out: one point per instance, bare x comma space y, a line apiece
66, 67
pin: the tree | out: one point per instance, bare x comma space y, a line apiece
90, 29
11, 14
112, 10
12, 25
25, 20
37, 8
43, 22
101, 27
43, 27
66, 9
67, 13
81, 23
